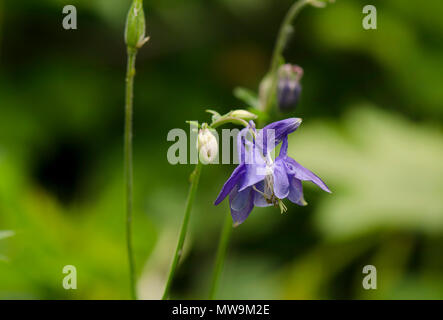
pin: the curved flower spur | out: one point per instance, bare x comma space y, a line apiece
261, 181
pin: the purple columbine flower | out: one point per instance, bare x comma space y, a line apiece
289, 87
261, 181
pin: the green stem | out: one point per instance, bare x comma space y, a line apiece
225, 120
195, 177
221, 255
128, 166
282, 39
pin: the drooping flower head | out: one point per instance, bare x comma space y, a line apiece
261, 181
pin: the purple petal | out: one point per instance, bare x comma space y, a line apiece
244, 145
241, 141
240, 200
284, 147
288, 94
254, 173
281, 182
301, 173
247, 198
230, 183
284, 127
275, 132
296, 192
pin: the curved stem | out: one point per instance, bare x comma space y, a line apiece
130, 73
195, 177
282, 39
221, 255
225, 120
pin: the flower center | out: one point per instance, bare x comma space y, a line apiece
268, 193
268, 189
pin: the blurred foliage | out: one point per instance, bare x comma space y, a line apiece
386, 172
372, 108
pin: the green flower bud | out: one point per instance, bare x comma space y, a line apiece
135, 26
243, 114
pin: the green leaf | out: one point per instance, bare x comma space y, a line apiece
247, 96
215, 115
384, 171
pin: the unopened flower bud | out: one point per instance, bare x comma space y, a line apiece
135, 26
289, 88
243, 114
207, 146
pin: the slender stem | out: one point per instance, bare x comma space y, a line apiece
221, 255
282, 39
128, 166
195, 177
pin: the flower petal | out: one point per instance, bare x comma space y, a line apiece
296, 192
230, 183
284, 147
272, 134
301, 173
281, 182
239, 215
283, 128
241, 145
240, 199
254, 173
245, 144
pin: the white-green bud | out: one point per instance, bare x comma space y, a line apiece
135, 26
243, 114
207, 146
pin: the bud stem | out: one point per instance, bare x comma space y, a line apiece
195, 177
130, 73
282, 39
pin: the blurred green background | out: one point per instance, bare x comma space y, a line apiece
373, 115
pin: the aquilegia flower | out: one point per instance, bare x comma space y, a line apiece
261, 181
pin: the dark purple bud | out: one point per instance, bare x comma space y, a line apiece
289, 88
